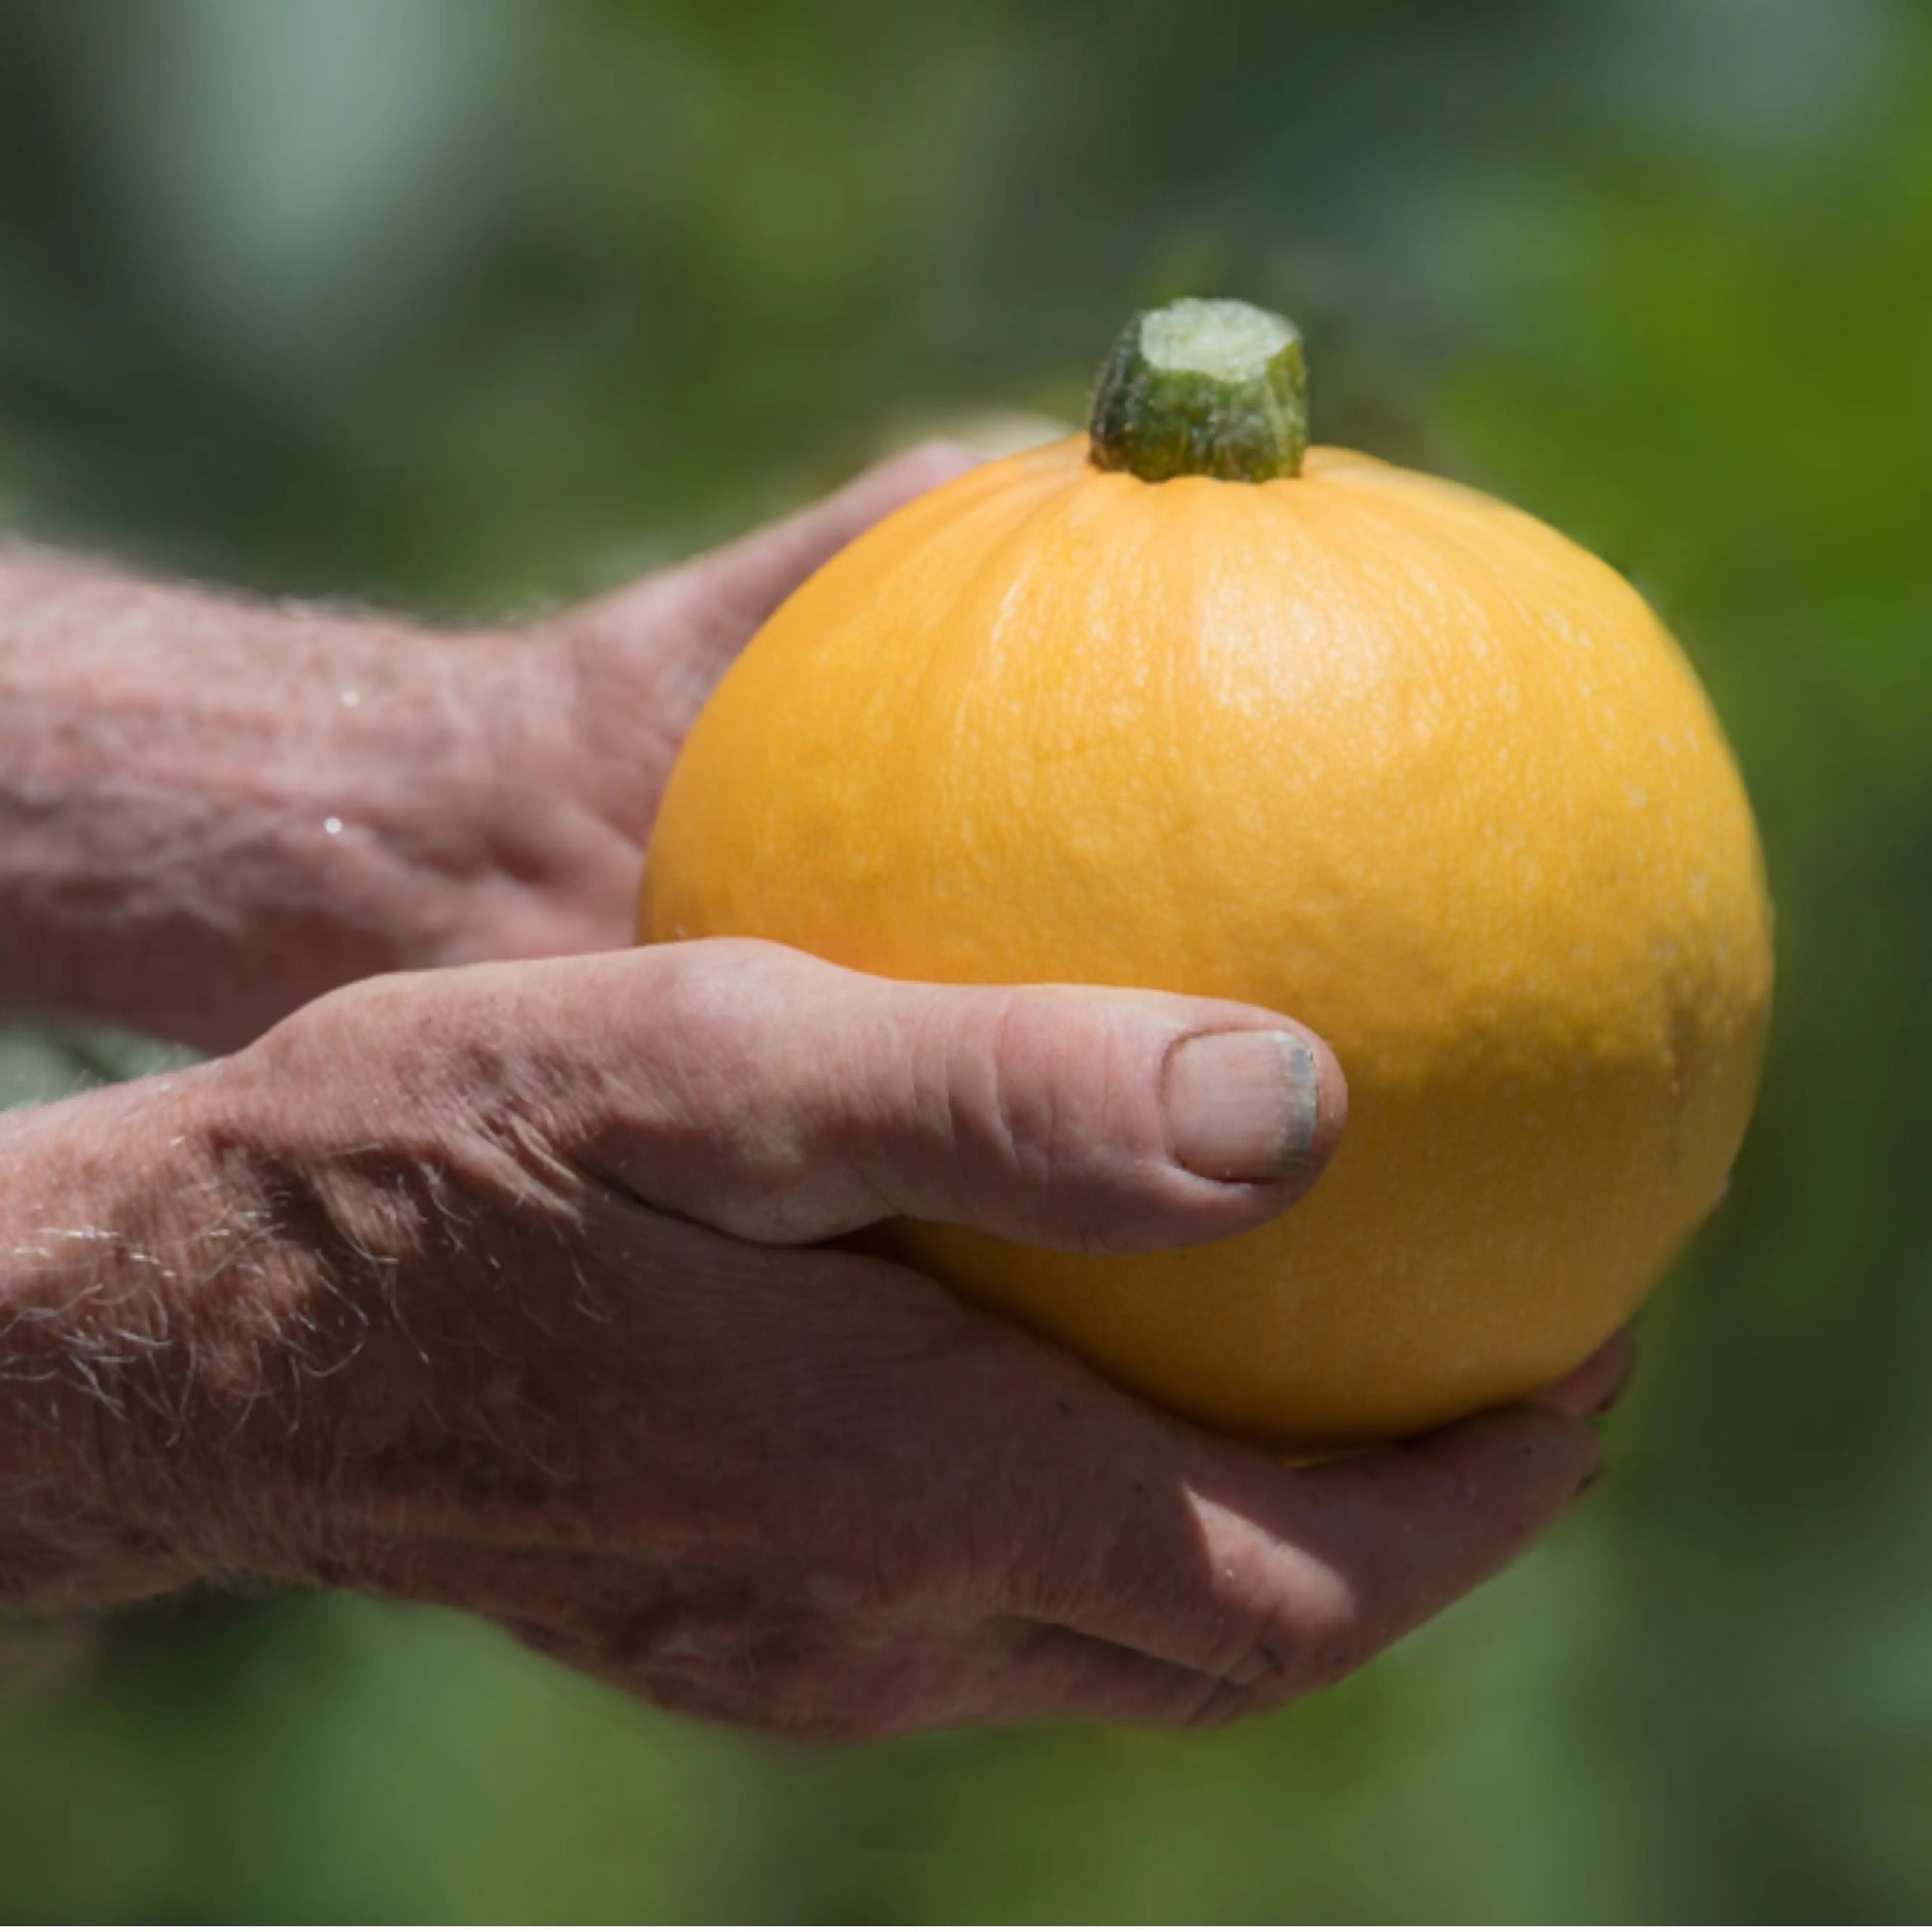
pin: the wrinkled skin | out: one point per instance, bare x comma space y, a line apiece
510, 1296
530, 1290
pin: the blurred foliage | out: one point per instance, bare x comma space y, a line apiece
469, 305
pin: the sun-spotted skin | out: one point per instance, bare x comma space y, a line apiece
1358, 746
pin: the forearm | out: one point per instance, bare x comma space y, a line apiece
212, 811
110, 1237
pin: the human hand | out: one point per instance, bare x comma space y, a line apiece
585, 713
506, 1298
212, 811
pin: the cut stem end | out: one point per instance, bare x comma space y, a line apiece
1203, 389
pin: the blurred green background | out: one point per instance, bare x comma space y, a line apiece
471, 304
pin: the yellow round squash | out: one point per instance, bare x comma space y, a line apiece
1191, 706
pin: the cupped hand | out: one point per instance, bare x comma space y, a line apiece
519, 1302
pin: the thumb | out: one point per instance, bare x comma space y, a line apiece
776, 1097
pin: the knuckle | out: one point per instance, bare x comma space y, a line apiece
706, 983
1025, 1118
778, 1654
1279, 1668
1307, 1630
1055, 1100
842, 1596
1324, 1635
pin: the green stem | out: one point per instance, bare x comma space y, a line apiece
1203, 389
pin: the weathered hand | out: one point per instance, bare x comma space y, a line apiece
212, 811
594, 704
505, 1296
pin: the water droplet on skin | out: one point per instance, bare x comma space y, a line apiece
333, 826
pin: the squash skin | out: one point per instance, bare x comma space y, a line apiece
1359, 746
